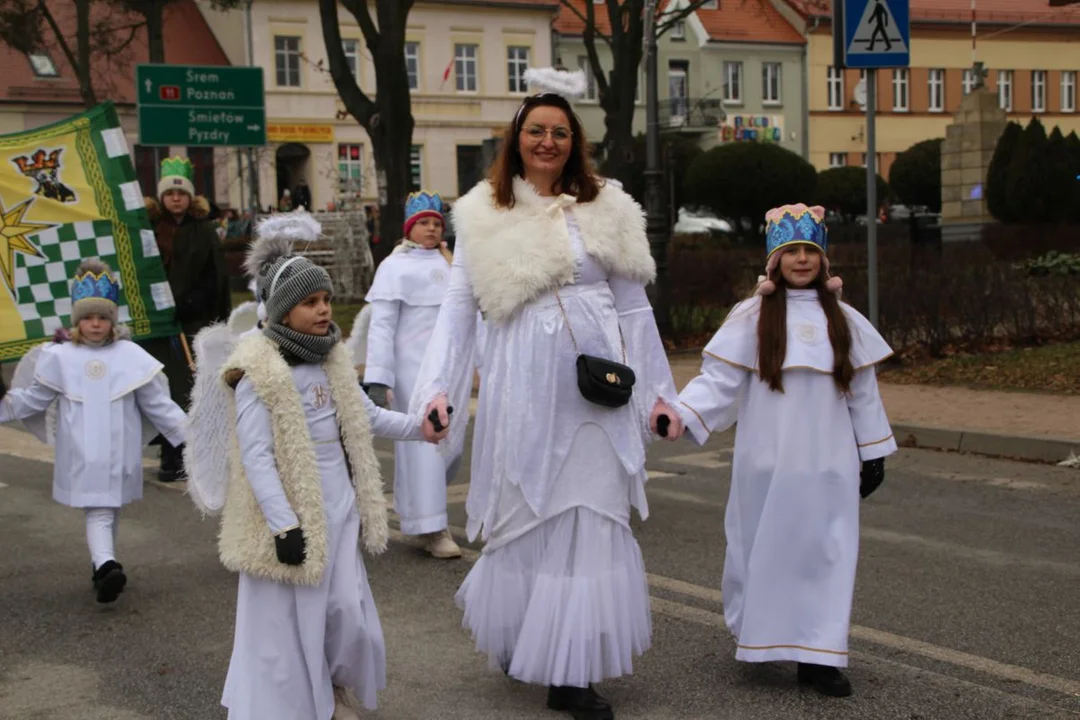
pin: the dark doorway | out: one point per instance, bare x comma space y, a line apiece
470, 167
292, 161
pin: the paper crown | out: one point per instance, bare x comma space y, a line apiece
95, 285
177, 167
795, 225
423, 203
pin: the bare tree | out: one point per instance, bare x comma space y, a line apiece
152, 13
387, 117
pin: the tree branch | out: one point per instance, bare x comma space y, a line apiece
568, 4
353, 98
359, 10
64, 46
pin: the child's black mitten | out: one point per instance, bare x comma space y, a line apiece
290, 546
872, 475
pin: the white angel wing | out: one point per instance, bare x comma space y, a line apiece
43, 425
206, 453
244, 317
357, 342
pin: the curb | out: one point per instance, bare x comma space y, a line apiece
1015, 447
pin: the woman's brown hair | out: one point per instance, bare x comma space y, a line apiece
772, 335
578, 177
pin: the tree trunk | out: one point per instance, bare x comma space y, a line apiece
619, 143
155, 35
82, 40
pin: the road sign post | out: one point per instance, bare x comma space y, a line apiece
198, 105
872, 34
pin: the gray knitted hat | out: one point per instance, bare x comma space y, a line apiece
282, 279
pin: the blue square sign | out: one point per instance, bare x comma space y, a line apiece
877, 33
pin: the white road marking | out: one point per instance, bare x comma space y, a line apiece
706, 460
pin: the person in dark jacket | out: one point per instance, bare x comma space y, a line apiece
195, 266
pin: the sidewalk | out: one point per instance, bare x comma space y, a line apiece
1027, 426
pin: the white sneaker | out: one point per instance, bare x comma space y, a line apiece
441, 545
345, 705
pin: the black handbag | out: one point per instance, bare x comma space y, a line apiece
603, 382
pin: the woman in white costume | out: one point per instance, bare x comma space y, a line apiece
796, 368
304, 486
405, 296
557, 261
106, 385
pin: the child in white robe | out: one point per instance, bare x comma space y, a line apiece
106, 386
796, 368
405, 297
304, 486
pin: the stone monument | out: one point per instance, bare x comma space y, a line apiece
965, 158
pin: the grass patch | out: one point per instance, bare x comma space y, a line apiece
1049, 368
344, 313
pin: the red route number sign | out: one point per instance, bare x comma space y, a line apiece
169, 92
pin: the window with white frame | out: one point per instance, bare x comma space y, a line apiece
936, 86
1068, 91
835, 82
590, 80
287, 60
770, 83
900, 90
42, 64
679, 88
517, 62
412, 64
969, 81
710, 5
465, 67
837, 160
351, 48
1005, 95
350, 169
678, 30
416, 168
1038, 91
877, 161
733, 81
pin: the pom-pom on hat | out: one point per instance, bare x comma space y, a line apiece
789, 225
282, 279
94, 290
422, 204
177, 173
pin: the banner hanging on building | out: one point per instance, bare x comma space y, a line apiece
68, 192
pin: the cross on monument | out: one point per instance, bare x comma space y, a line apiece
980, 72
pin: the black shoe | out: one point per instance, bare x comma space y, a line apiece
826, 679
581, 703
172, 463
109, 581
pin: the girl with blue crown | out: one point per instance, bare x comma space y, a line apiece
795, 367
405, 297
111, 398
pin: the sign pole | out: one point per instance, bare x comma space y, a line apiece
871, 195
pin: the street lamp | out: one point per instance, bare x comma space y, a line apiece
656, 225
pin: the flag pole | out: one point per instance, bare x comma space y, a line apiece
187, 351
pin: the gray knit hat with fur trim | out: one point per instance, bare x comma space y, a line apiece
282, 279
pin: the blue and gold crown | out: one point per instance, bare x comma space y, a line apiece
95, 285
794, 225
423, 203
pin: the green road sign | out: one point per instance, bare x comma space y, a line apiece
200, 105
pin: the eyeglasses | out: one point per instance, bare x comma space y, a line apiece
559, 133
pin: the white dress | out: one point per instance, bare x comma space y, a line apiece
293, 643
792, 520
104, 394
559, 595
405, 296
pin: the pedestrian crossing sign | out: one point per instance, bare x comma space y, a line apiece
877, 33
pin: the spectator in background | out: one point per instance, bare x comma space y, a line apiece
302, 196
285, 203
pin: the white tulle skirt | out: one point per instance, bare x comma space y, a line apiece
562, 599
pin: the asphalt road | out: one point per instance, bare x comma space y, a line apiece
966, 605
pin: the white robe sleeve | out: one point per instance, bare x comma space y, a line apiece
26, 402
873, 434
709, 403
391, 424
256, 437
164, 414
379, 368
645, 352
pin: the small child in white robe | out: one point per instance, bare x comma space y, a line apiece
304, 486
106, 386
796, 368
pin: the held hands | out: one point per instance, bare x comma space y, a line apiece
665, 422
437, 410
291, 547
871, 477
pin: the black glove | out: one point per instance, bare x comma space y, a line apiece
290, 547
872, 475
377, 393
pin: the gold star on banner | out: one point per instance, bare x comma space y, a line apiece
13, 238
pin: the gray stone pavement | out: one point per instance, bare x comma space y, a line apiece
966, 605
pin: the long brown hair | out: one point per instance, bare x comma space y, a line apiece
772, 335
578, 176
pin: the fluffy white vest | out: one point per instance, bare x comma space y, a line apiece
514, 255
246, 544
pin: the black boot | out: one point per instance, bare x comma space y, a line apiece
581, 703
109, 581
172, 462
826, 679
